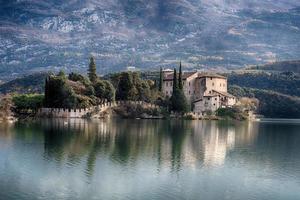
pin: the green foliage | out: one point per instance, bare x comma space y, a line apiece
126, 89
58, 94
175, 85
138, 111
90, 91
130, 86
61, 74
291, 66
78, 77
28, 84
28, 101
178, 102
104, 90
160, 80
271, 104
92, 70
180, 84
286, 83
231, 113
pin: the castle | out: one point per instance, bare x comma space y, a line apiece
205, 91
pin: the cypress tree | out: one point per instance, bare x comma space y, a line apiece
180, 84
175, 86
178, 102
160, 80
92, 70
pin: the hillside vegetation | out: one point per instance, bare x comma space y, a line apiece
271, 104
286, 82
284, 66
33, 83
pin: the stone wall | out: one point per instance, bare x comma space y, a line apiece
83, 112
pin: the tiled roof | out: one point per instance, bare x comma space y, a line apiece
210, 75
224, 93
185, 75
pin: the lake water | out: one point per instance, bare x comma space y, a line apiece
145, 159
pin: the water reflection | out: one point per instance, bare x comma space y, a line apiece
117, 153
171, 143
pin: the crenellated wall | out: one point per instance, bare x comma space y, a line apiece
83, 112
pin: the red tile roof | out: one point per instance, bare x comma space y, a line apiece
210, 75
185, 75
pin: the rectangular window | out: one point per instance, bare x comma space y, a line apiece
189, 92
213, 84
189, 83
208, 98
216, 99
167, 84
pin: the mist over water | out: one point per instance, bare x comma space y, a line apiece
144, 159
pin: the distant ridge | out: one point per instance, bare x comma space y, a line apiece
33, 83
283, 66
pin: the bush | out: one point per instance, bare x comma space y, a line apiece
104, 90
28, 101
231, 113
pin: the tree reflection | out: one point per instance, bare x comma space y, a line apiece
174, 144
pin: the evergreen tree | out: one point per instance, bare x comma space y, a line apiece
160, 80
178, 102
175, 86
92, 70
180, 84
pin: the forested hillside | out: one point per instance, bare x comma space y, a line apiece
286, 82
284, 66
28, 84
271, 104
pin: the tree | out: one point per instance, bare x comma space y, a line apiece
126, 87
175, 86
92, 70
110, 91
160, 80
59, 94
178, 102
180, 84
62, 74
28, 102
78, 77
104, 90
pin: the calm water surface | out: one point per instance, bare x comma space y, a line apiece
137, 159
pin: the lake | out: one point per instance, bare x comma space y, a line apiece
150, 159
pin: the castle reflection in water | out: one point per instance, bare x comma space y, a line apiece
171, 144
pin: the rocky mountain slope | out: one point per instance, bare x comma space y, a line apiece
51, 35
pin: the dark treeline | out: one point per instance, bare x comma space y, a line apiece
285, 82
271, 104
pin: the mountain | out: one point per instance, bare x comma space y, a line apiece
222, 34
284, 66
33, 83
